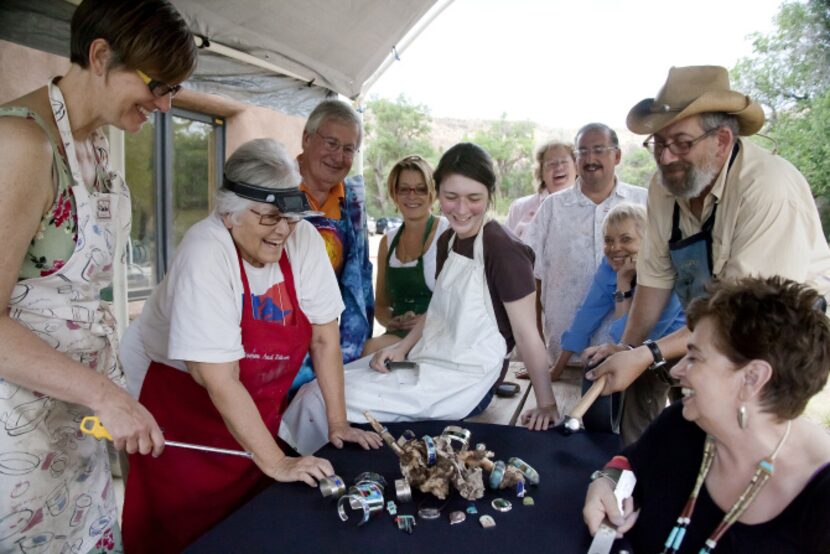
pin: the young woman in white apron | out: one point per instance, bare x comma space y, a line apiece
62, 211
461, 344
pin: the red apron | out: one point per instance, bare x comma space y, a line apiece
172, 500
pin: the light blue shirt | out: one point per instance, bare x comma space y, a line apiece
599, 302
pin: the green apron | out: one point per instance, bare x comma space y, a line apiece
405, 286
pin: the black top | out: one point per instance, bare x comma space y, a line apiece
508, 266
666, 461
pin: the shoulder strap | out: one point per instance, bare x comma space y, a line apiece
57, 159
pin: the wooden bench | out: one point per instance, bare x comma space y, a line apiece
507, 411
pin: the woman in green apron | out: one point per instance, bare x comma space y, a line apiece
63, 212
406, 255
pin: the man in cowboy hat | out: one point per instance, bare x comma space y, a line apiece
718, 207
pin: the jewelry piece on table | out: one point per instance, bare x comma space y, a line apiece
520, 489
497, 474
471, 509
333, 486
407, 436
391, 508
403, 490
501, 505
528, 501
371, 477
406, 523
487, 521
431, 452
456, 434
457, 517
429, 513
526, 469
354, 501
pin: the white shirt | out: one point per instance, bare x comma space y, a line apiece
429, 256
195, 312
566, 236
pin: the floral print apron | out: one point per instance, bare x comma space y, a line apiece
55, 482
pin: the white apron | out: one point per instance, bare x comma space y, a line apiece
55, 483
460, 356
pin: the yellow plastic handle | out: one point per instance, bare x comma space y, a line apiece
91, 425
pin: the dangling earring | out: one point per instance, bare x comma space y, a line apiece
743, 417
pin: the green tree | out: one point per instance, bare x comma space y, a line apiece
510, 144
790, 66
637, 167
789, 72
394, 129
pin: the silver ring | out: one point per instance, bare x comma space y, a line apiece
429, 513
369, 492
354, 501
332, 485
371, 477
402, 490
501, 505
454, 433
432, 454
526, 469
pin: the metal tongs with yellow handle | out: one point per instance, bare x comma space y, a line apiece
91, 425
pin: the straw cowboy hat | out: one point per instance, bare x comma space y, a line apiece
693, 90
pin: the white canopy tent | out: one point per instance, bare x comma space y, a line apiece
282, 54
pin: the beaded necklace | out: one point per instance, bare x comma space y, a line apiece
763, 472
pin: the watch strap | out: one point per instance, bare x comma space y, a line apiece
659, 360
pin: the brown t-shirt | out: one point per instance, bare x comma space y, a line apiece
508, 267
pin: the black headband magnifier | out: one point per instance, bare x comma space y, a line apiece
292, 203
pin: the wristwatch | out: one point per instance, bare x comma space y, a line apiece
620, 296
659, 360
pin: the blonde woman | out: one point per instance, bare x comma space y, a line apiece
406, 255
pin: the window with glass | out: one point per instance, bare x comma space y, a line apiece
173, 167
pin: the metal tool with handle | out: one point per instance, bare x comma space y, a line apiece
607, 533
91, 425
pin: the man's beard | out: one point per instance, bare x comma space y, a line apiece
692, 182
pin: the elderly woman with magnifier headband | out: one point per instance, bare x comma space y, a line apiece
249, 293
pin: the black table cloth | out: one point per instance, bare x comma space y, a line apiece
293, 517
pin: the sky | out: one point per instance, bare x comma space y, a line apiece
562, 64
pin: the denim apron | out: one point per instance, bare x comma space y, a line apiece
691, 257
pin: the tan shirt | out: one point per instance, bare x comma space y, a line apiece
766, 224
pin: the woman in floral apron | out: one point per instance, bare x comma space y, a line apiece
62, 211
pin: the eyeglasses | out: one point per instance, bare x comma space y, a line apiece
158, 88
275, 218
557, 163
676, 147
595, 150
333, 145
406, 191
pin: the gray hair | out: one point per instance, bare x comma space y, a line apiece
715, 120
334, 109
612, 134
262, 162
626, 211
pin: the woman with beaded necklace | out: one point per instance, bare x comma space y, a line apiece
734, 467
